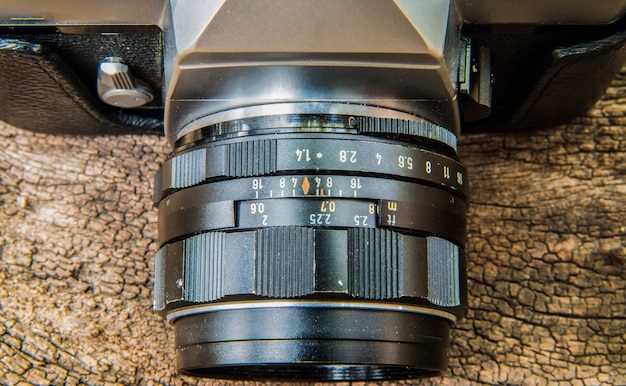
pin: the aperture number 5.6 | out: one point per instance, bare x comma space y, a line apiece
405, 162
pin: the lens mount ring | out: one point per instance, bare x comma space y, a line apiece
315, 117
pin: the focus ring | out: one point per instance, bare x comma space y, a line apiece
375, 263
285, 262
288, 262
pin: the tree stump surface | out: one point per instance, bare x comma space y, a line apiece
546, 269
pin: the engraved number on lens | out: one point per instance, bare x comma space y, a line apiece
347, 156
360, 221
319, 219
405, 162
257, 208
328, 206
303, 155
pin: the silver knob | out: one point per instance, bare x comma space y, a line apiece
117, 87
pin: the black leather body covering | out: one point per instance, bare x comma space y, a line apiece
540, 79
40, 92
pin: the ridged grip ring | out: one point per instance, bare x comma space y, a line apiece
289, 262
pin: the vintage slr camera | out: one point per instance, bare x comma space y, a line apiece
312, 213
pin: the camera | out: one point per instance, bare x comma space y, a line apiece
312, 211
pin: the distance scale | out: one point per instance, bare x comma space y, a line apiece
329, 201
351, 213
338, 213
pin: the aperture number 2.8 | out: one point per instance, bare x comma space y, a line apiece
347, 156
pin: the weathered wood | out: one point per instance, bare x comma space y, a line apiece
547, 239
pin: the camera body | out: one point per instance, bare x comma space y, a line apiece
545, 62
312, 213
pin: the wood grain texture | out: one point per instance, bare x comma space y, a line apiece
547, 243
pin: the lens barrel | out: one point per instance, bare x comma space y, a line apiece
312, 247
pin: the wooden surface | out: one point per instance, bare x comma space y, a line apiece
547, 277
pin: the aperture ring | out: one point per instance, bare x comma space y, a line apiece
290, 262
336, 153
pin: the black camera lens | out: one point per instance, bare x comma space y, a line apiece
305, 246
